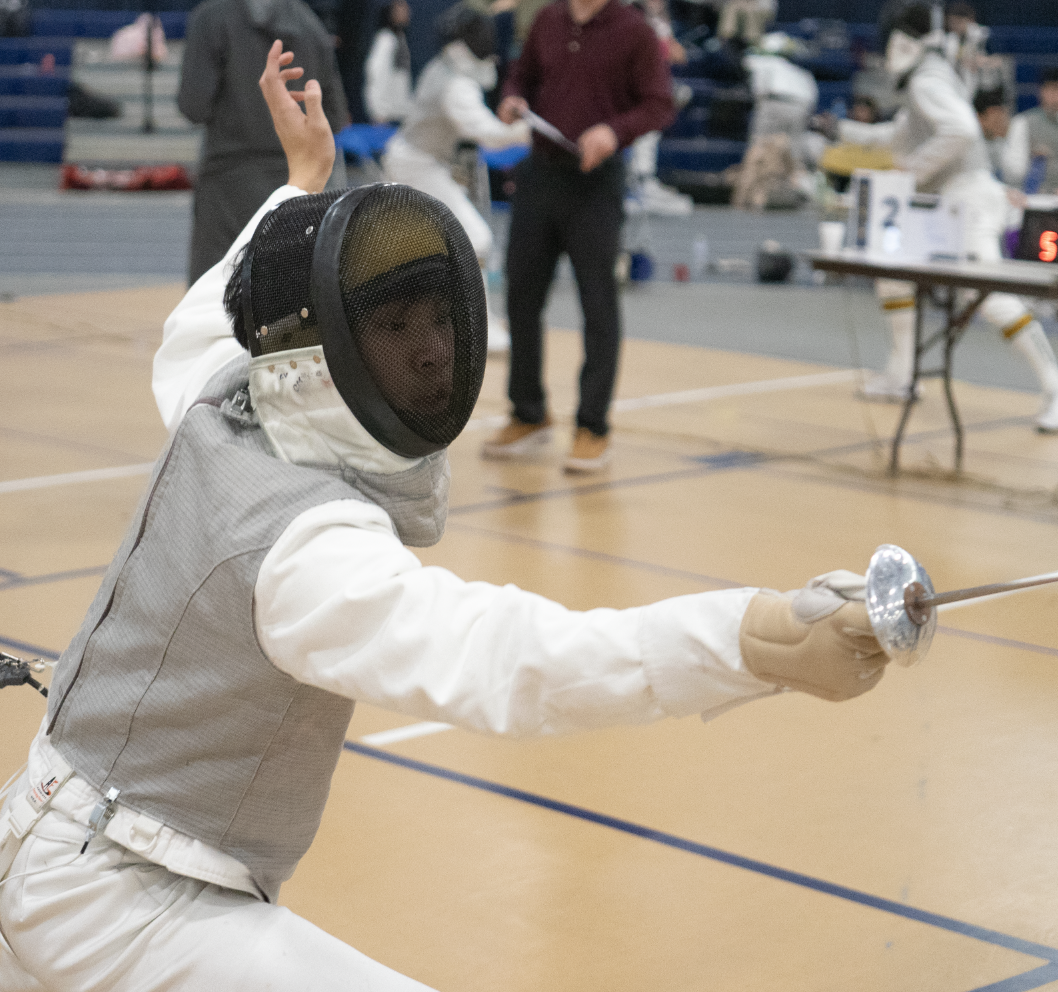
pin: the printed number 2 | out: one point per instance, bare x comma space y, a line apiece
1048, 246
893, 205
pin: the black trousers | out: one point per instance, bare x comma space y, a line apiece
559, 209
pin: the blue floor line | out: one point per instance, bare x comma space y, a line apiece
30, 650
993, 937
13, 581
1024, 982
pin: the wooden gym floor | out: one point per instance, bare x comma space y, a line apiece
905, 840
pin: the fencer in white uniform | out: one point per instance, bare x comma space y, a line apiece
936, 136
449, 107
99, 891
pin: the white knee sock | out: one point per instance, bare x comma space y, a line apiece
1033, 344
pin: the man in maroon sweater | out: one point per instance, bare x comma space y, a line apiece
594, 69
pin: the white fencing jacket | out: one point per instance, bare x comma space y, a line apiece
387, 89
342, 605
936, 136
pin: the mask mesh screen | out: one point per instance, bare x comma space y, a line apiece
411, 290
280, 274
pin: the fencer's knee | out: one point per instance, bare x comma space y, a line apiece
893, 294
1006, 313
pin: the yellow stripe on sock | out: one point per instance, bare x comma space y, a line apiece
1023, 321
907, 302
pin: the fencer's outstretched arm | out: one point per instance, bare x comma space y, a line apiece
885, 133
341, 605
464, 103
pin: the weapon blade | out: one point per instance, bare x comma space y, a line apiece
549, 131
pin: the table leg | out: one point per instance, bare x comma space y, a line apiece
912, 394
951, 337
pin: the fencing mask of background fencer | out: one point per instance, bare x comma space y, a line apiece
385, 279
905, 30
473, 28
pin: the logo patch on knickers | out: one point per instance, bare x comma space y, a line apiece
40, 795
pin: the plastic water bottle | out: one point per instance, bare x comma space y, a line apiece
699, 258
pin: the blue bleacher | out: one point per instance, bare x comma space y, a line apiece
32, 111
1037, 40
18, 51
32, 101
100, 23
31, 144
28, 80
699, 154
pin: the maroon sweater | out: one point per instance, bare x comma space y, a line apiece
608, 71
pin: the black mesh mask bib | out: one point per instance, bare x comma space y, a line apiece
385, 279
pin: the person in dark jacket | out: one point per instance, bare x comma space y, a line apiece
242, 161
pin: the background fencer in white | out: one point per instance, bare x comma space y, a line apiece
937, 137
449, 107
342, 605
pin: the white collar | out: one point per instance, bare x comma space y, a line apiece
306, 419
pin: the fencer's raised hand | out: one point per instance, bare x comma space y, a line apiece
818, 640
305, 136
510, 109
596, 145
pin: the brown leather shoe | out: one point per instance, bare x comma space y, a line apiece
518, 439
589, 453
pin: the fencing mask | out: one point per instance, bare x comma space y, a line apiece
906, 31
385, 279
462, 23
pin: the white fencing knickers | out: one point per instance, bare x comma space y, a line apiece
110, 921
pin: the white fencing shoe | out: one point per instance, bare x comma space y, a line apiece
883, 388
663, 200
1047, 418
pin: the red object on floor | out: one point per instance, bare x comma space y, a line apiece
681, 273
146, 177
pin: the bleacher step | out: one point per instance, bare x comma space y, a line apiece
28, 80
33, 111
31, 144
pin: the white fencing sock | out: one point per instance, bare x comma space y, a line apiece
1031, 341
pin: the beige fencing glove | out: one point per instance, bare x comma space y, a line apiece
817, 640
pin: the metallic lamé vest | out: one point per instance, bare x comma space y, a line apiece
165, 694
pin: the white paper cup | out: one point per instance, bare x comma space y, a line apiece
831, 236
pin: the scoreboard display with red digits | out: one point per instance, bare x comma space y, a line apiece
1039, 237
